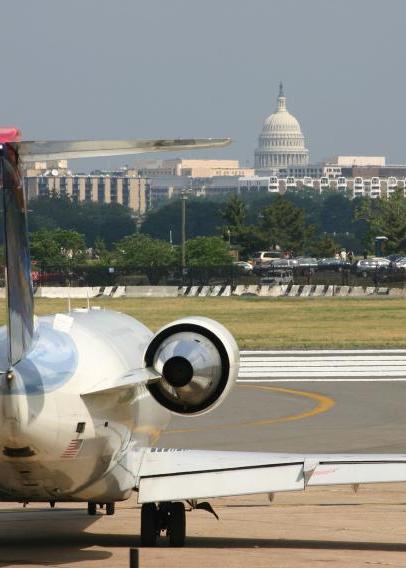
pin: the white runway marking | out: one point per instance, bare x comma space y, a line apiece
369, 365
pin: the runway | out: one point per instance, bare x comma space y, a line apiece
312, 401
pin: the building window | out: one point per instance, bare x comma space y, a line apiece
88, 189
100, 190
113, 190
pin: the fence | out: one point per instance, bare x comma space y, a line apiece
213, 276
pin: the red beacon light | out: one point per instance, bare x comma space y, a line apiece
10, 134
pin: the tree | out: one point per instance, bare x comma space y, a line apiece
57, 247
109, 221
250, 239
285, 225
203, 218
385, 217
324, 247
234, 212
207, 251
142, 251
139, 251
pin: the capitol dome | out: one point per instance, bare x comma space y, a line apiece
281, 142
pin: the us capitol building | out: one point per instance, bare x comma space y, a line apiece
281, 143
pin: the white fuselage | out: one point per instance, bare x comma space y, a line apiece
58, 443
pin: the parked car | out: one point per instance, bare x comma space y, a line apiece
368, 265
394, 257
243, 266
306, 262
333, 264
278, 277
277, 263
398, 262
265, 256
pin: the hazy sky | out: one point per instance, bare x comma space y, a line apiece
184, 68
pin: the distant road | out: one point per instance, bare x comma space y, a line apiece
324, 365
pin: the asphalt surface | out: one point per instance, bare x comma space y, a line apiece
306, 401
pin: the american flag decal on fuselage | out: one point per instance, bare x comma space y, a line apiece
72, 449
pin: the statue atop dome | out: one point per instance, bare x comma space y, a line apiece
281, 142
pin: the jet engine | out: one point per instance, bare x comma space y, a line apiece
198, 361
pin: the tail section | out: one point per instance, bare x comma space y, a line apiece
18, 270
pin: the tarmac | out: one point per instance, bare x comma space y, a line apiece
333, 526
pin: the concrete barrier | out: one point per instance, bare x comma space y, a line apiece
151, 291
357, 291
119, 292
294, 290
204, 291
226, 292
397, 292
193, 291
67, 292
319, 290
275, 291
370, 290
252, 289
307, 288
263, 290
382, 291
238, 290
215, 291
330, 291
344, 291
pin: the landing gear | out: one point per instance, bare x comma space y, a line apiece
177, 524
149, 524
91, 508
110, 508
169, 517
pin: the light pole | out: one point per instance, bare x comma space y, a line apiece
183, 198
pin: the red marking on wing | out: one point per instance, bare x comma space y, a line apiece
11, 134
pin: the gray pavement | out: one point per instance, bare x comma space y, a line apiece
313, 401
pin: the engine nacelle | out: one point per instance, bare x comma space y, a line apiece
198, 361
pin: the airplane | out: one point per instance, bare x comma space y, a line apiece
85, 394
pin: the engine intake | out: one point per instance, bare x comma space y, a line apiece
197, 359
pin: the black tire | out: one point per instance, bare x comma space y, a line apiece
149, 524
177, 524
110, 508
91, 508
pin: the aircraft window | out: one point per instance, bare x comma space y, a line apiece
80, 428
106, 424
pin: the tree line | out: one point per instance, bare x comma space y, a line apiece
65, 232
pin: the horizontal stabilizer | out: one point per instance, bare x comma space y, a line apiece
57, 150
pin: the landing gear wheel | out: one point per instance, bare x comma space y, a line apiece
110, 508
177, 524
91, 509
149, 524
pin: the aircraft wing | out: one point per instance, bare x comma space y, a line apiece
68, 149
168, 475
